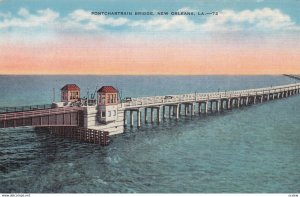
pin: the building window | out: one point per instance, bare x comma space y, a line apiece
115, 98
108, 98
109, 114
112, 98
114, 114
74, 95
103, 100
103, 114
64, 95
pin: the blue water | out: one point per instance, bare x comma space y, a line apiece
252, 149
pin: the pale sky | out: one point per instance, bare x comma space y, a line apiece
59, 37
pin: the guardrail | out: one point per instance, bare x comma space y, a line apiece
45, 112
24, 108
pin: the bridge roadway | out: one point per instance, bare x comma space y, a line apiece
215, 100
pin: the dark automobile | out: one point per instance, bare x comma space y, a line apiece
127, 99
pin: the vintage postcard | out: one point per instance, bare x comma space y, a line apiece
128, 96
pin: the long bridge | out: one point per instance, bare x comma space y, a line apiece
108, 116
198, 103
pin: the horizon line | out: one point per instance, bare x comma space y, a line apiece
76, 74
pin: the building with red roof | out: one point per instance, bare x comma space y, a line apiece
108, 95
107, 103
70, 93
108, 89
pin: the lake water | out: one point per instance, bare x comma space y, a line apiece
252, 149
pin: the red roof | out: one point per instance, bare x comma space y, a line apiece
69, 87
108, 89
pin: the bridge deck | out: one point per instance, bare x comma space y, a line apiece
203, 97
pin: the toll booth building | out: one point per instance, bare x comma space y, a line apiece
70, 93
107, 104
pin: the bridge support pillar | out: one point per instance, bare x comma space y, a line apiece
232, 103
163, 112
131, 118
199, 108
152, 115
177, 111
247, 100
158, 115
125, 120
138, 118
193, 109
145, 116
238, 102
206, 107
218, 105
228, 104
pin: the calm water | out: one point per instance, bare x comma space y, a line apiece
253, 149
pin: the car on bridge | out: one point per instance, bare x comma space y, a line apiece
127, 99
169, 97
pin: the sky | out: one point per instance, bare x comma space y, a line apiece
222, 37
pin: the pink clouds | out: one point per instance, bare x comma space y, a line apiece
111, 55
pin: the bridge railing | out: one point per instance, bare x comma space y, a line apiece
170, 99
45, 112
24, 108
